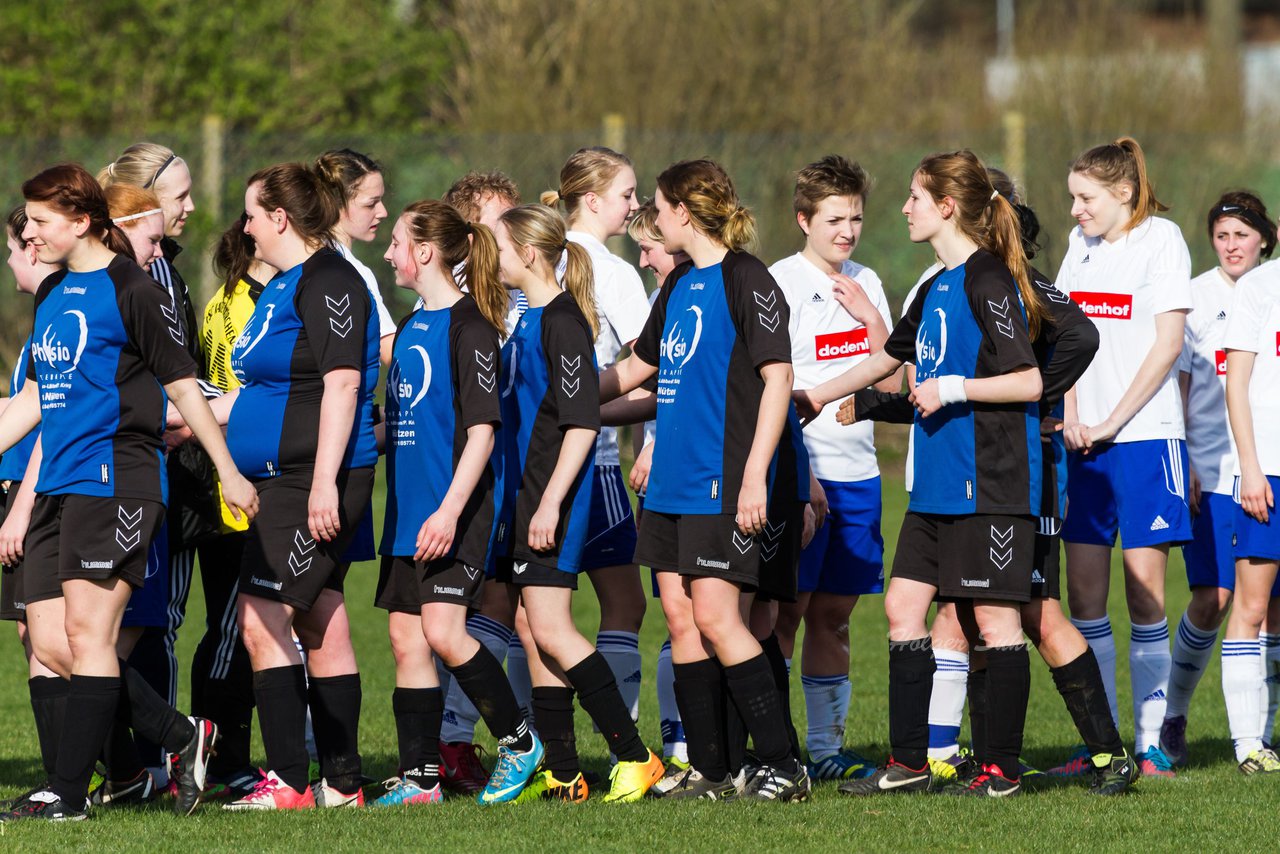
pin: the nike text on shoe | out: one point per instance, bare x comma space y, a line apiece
892, 778
546, 787
193, 762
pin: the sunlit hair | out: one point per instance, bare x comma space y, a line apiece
588, 170
16, 222
543, 230
126, 202
344, 169
1246, 207
468, 193
644, 224
302, 193
833, 175
1121, 163
707, 193
139, 165
461, 242
70, 190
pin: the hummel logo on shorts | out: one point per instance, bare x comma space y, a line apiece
1159, 524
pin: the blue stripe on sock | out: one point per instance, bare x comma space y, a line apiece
478, 624
1192, 637
943, 736
817, 681
617, 640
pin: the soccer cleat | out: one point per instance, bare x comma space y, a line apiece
693, 786
674, 775
44, 804
512, 773
193, 764
139, 790
842, 765
954, 767
990, 782
1079, 764
1114, 775
401, 791
327, 797
892, 778
1025, 770
546, 787
1263, 761
272, 793
232, 786
1173, 740
461, 769
771, 783
1154, 763
14, 803
628, 781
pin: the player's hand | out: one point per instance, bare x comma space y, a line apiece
1255, 495
176, 436
322, 512
542, 527
818, 503
435, 537
807, 407
848, 412
1076, 436
1049, 426
925, 397
240, 497
1193, 491
13, 532
810, 527
753, 500
640, 470
849, 293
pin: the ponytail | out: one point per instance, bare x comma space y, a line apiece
543, 230
708, 194
579, 281
117, 241
483, 282
550, 198
306, 195
458, 242
1119, 163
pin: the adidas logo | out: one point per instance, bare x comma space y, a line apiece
1036, 577
449, 717
1222, 315
1157, 694
1085, 260
1159, 524
1187, 666
817, 298
633, 679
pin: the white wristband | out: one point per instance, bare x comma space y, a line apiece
951, 389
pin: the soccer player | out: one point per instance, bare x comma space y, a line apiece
302, 427
717, 339
839, 316
443, 407
108, 356
982, 491
1130, 271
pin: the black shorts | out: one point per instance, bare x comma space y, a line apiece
527, 573
968, 557
84, 536
780, 552
405, 585
699, 546
13, 605
281, 560
1046, 573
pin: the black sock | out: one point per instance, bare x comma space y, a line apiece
486, 685
120, 752
733, 729
1008, 688
335, 719
418, 712
700, 696
229, 704
976, 695
281, 693
150, 715
911, 667
553, 716
91, 707
755, 694
782, 679
48, 704
1080, 684
598, 694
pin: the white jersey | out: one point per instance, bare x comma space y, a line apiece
1122, 286
622, 307
825, 342
1253, 325
909, 475
1203, 357
386, 326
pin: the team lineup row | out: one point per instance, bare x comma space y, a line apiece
504, 483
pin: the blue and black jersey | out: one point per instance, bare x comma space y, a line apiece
443, 380
310, 320
972, 457
549, 384
103, 346
710, 331
13, 465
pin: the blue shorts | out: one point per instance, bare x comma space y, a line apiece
149, 604
1136, 489
846, 555
611, 530
1253, 538
1208, 556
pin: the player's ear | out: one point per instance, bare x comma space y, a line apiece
803, 222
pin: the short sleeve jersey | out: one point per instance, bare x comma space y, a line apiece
1122, 286
971, 457
311, 319
13, 465
622, 307
710, 331
224, 317
1205, 359
442, 381
549, 385
1253, 325
825, 342
104, 345
386, 324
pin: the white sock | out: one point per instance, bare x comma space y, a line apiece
1245, 692
518, 676
309, 732
1192, 649
1271, 672
826, 701
673, 741
946, 703
1103, 643
460, 715
1149, 665
621, 650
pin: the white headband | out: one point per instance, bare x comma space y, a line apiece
120, 219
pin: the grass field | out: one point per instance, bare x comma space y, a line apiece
1210, 807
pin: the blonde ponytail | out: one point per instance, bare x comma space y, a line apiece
579, 281
483, 282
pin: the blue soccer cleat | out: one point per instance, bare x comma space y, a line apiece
512, 773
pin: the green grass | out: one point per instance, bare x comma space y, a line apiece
1210, 807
